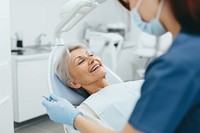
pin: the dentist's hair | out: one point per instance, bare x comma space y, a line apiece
187, 12
62, 70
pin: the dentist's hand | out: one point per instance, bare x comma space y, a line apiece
60, 110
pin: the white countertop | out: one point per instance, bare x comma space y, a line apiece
33, 56
28, 54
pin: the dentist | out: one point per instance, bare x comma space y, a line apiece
170, 96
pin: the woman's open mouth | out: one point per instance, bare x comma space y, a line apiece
95, 67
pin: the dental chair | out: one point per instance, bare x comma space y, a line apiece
62, 90
71, 13
59, 88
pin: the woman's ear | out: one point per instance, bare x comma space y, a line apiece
73, 84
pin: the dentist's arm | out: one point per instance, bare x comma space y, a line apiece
63, 112
86, 126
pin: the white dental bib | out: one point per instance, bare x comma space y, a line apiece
111, 106
114, 104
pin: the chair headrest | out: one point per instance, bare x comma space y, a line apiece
56, 86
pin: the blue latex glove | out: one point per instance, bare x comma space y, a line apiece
60, 110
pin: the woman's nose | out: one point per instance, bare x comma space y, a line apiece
91, 60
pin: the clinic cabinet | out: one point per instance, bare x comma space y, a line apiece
29, 85
6, 114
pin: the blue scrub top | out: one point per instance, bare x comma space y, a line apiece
170, 95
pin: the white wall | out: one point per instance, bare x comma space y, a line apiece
6, 112
30, 18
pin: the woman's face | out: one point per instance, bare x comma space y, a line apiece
85, 68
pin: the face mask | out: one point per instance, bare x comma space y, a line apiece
154, 26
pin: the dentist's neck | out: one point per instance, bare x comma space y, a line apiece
169, 20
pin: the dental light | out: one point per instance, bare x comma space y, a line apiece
71, 13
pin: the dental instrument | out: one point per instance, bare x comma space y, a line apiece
49, 99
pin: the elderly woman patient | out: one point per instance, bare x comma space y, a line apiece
109, 105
